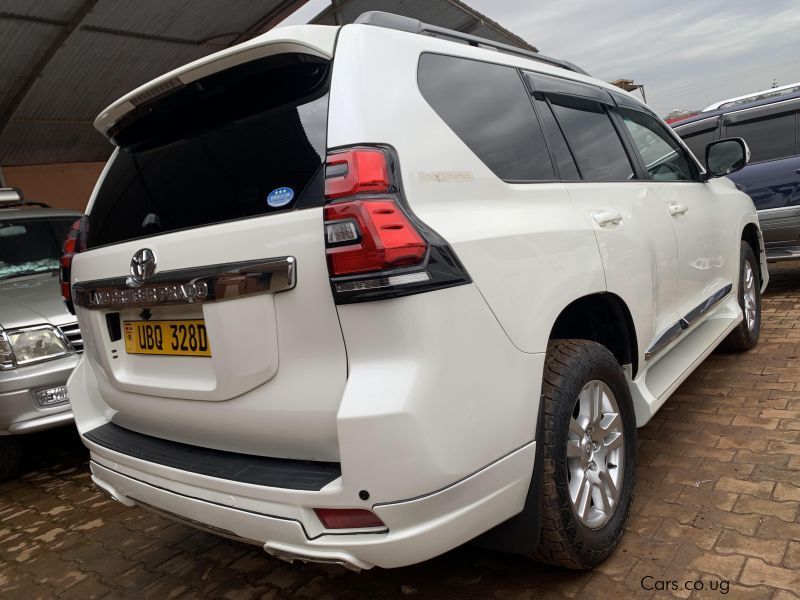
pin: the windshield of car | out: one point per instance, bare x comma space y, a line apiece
31, 245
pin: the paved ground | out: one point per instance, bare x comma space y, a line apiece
717, 505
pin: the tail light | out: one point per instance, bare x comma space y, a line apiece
376, 247
74, 243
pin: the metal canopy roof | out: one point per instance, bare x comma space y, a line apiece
63, 61
451, 14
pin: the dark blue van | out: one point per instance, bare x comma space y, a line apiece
771, 128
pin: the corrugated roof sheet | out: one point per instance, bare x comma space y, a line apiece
63, 61
451, 14
59, 10
180, 19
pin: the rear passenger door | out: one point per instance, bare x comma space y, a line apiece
631, 223
705, 231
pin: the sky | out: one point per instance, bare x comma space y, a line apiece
687, 53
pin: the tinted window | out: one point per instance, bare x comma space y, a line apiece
558, 145
31, 245
488, 107
215, 151
697, 143
663, 157
768, 138
593, 140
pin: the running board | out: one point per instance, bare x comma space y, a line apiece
661, 378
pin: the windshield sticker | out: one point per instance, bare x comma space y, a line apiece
280, 197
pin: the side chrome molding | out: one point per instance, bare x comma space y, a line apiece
194, 285
678, 328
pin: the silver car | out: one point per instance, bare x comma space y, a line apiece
40, 341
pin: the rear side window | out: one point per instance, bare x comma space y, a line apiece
594, 142
241, 143
768, 139
488, 107
31, 245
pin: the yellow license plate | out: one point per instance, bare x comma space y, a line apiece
174, 338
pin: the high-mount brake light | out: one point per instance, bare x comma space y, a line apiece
74, 243
375, 246
358, 171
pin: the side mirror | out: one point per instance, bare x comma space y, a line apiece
724, 157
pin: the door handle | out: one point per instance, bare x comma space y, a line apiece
677, 209
607, 217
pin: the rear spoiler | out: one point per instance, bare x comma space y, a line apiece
318, 40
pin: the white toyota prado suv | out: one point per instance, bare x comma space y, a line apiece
362, 294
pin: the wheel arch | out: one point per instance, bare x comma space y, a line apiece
752, 235
604, 318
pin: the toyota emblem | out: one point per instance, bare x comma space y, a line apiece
143, 265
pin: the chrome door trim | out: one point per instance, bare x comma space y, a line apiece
698, 311
679, 327
194, 285
665, 339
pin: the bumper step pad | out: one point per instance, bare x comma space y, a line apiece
245, 468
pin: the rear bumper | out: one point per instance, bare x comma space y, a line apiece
284, 524
435, 426
19, 412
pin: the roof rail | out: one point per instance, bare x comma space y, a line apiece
392, 21
12, 197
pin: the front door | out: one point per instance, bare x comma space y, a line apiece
700, 222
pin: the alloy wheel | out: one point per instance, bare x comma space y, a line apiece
595, 454
749, 295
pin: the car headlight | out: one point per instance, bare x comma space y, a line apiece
19, 347
6, 353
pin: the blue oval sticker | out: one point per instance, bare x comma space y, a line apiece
280, 197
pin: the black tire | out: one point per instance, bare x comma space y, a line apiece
10, 457
745, 336
566, 541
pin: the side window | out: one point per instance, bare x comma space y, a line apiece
487, 106
662, 155
697, 143
768, 138
592, 138
565, 163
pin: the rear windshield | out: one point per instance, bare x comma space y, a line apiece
241, 143
31, 245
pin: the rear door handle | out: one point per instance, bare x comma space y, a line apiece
677, 209
607, 217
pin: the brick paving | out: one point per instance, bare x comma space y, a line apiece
717, 502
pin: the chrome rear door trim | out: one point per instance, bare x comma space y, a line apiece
679, 327
193, 285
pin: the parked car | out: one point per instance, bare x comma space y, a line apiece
359, 295
40, 341
773, 92
771, 128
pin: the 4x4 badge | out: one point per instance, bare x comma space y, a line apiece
143, 266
